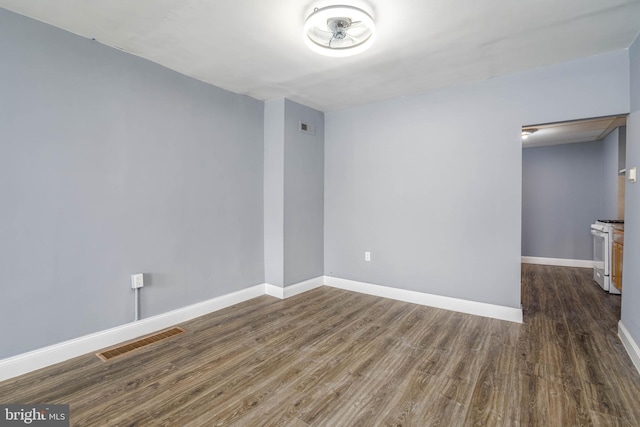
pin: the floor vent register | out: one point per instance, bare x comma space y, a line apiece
127, 348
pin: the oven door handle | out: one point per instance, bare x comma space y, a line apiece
598, 233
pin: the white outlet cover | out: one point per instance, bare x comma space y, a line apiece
632, 175
137, 280
367, 256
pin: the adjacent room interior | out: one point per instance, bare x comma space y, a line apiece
259, 214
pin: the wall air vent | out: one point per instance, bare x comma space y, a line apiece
307, 128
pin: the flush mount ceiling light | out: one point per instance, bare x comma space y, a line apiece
527, 132
339, 30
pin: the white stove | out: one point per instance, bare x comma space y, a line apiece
602, 232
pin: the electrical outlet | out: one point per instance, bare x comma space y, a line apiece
367, 256
137, 280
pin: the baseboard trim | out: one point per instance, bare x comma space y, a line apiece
273, 290
302, 287
438, 301
23, 363
561, 262
295, 289
36, 359
630, 345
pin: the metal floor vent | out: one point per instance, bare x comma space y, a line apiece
126, 348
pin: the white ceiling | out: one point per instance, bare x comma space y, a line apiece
255, 47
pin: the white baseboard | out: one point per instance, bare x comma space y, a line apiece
291, 290
629, 344
464, 306
273, 290
33, 360
562, 262
302, 287
27, 362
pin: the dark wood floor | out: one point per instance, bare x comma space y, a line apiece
336, 358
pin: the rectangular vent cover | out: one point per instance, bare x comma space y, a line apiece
139, 343
307, 128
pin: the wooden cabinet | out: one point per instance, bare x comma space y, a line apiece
617, 250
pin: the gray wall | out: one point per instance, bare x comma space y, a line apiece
631, 271
431, 184
610, 146
274, 192
304, 195
622, 147
112, 165
294, 193
561, 185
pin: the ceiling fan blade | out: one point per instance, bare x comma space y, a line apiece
343, 43
355, 39
359, 32
320, 32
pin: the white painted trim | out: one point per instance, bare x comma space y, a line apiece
295, 289
302, 287
273, 290
40, 358
27, 362
464, 306
562, 262
629, 344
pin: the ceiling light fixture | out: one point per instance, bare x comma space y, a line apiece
527, 132
339, 31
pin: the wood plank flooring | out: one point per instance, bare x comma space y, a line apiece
335, 358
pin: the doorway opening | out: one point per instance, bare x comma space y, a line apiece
573, 174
